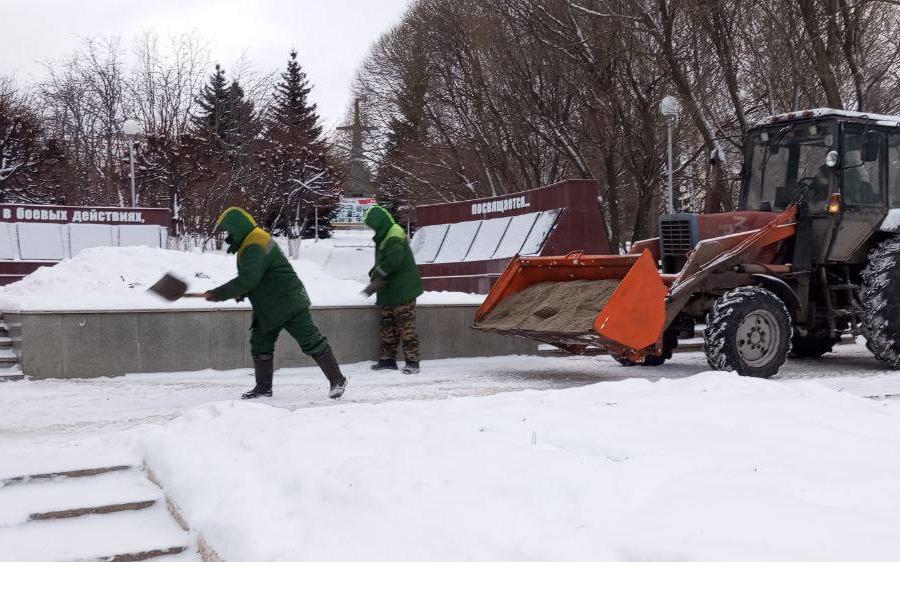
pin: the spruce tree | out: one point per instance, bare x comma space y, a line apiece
241, 127
292, 119
403, 141
295, 179
212, 119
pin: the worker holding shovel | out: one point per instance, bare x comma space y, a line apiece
396, 280
279, 302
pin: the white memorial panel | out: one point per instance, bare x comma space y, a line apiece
83, 236
515, 235
41, 241
457, 241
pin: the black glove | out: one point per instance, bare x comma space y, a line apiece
374, 286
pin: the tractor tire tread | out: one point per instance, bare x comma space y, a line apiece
721, 327
878, 295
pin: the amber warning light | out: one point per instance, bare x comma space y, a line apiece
834, 204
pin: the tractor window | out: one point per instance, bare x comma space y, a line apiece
862, 180
894, 169
788, 164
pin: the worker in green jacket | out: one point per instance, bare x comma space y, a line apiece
279, 302
396, 280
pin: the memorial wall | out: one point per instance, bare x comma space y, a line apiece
32, 236
464, 246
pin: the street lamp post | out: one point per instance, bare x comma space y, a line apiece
670, 107
131, 128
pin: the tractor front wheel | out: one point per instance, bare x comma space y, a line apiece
748, 331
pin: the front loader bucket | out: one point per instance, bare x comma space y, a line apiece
635, 315
631, 318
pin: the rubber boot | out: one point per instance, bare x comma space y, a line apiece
385, 363
411, 367
263, 368
332, 370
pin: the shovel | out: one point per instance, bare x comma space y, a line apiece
171, 288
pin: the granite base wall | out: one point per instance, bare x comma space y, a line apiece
113, 343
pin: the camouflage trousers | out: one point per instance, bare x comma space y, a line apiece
398, 324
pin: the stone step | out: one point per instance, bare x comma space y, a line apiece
7, 353
11, 373
86, 472
120, 536
5, 342
143, 555
43, 498
71, 513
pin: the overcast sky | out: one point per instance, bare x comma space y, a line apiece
331, 36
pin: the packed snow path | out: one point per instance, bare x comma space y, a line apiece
58, 425
74, 408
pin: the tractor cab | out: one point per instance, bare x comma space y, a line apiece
844, 166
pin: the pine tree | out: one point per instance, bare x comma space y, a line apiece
292, 119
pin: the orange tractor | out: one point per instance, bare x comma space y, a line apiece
812, 254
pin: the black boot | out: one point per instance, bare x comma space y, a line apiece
329, 365
263, 367
385, 363
411, 367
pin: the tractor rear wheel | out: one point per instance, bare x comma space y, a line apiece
880, 297
814, 345
748, 331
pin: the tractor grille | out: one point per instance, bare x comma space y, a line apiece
676, 237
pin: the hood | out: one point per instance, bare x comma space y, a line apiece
238, 224
379, 220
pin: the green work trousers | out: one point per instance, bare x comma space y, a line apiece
300, 327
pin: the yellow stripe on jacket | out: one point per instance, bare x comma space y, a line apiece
260, 237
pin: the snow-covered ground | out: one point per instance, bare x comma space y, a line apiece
334, 272
499, 458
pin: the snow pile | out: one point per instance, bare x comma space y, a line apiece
117, 278
713, 467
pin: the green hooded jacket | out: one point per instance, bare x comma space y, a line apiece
264, 274
394, 261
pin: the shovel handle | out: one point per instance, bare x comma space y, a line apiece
194, 295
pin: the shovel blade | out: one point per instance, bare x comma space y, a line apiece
169, 287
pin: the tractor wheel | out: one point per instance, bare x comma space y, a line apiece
748, 331
670, 342
814, 345
879, 297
